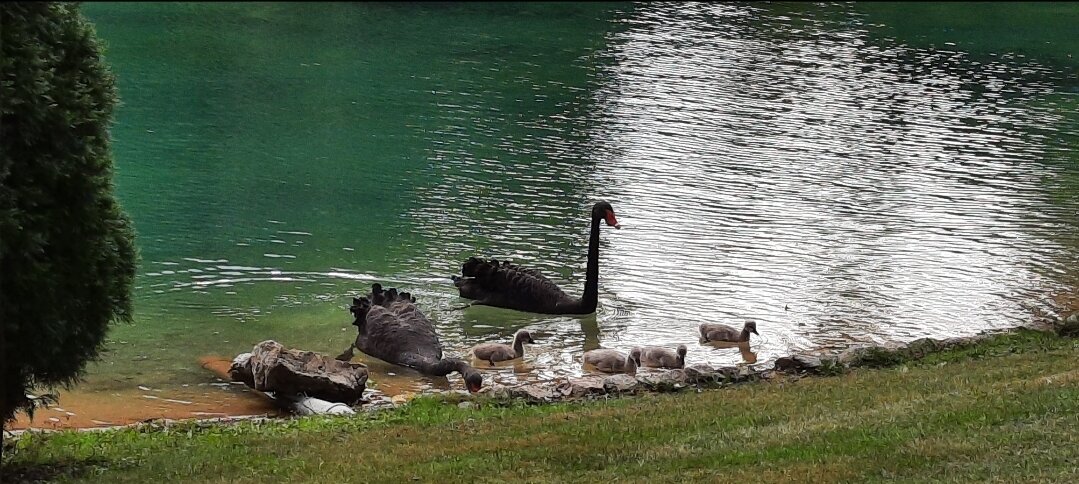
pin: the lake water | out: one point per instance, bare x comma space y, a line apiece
839, 173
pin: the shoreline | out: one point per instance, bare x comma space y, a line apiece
232, 401
949, 415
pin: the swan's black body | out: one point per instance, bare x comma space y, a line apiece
392, 329
501, 284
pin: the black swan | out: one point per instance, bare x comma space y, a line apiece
722, 332
492, 352
392, 329
505, 285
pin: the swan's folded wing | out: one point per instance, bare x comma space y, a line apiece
522, 283
389, 335
487, 351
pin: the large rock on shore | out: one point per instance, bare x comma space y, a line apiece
270, 367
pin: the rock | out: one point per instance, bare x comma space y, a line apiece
1069, 326
294, 372
750, 373
704, 375
533, 392
851, 356
582, 387
497, 391
870, 356
701, 374
241, 369
956, 342
829, 365
798, 364
669, 381
372, 393
376, 399
465, 405
721, 375
621, 383
921, 347
378, 403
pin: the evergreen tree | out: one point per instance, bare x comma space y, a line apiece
67, 253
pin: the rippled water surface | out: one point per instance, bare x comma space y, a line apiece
837, 173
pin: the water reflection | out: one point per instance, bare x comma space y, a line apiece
744, 349
868, 188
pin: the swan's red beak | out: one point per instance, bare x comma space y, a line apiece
613, 222
473, 388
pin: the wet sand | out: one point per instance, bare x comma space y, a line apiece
221, 398
218, 397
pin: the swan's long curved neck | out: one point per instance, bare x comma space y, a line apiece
518, 346
744, 336
590, 298
444, 367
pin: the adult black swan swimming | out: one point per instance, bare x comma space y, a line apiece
505, 285
392, 329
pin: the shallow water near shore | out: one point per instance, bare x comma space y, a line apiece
839, 174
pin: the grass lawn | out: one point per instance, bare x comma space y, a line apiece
1006, 410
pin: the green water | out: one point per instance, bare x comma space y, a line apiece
839, 173
299, 138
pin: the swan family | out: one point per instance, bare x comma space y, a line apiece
392, 328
